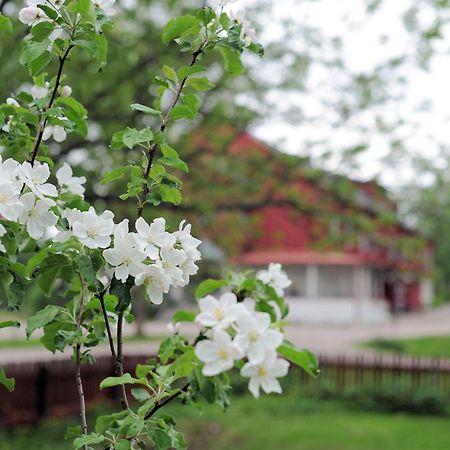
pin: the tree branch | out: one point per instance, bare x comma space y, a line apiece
79, 381
43, 122
158, 406
81, 392
152, 148
101, 297
119, 359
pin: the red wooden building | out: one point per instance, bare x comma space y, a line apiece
340, 241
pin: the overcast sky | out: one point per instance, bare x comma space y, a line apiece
368, 40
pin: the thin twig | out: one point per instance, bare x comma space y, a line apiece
81, 392
119, 359
43, 122
101, 297
152, 148
79, 381
167, 400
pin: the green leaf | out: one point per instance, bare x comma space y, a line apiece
145, 109
141, 395
49, 11
300, 357
175, 163
200, 84
10, 323
123, 444
74, 105
41, 318
122, 292
104, 422
169, 194
142, 370
186, 71
42, 30
170, 73
9, 383
92, 438
38, 64
115, 174
73, 432
32, 50
224, 20
101, 51
132, 137
183, 316
182, 367
208, 286
86, 269
178, 26
161, 439
5, 25
232, 61
124, 379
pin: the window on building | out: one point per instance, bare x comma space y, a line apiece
297, 275
335, 282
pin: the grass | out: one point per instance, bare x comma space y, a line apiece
288, 423
432, 346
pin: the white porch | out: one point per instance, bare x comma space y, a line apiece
336, 294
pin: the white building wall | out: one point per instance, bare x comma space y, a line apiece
353, 301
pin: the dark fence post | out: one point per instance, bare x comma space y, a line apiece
41, 392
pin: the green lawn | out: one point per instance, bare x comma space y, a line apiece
435, 346
272, 423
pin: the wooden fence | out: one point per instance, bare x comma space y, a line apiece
48, 390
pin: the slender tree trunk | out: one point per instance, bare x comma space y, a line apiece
81, 392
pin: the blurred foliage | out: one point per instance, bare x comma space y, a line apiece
295, 54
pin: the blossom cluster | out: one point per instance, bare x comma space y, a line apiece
237, 330
155, 258
32, 15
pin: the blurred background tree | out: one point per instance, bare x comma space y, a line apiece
306, 83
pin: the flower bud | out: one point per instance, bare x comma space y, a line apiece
66, 91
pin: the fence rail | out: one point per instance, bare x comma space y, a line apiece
47, 389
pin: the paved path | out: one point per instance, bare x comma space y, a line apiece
320, 339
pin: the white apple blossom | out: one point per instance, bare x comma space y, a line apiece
35, 178
38, 92
218, 354
222, 3
72, 216
125, 257
187, 242
57, 131
9, 202
105, 5
219, 313
2, 233
10, 173
264, 374
248, 33
66, 91
150, 237
254, 337
155, 281
12, 102
92, 230
68, 183
275, 277
122, 230
32, 15
188, 268
35, 214
171, 258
